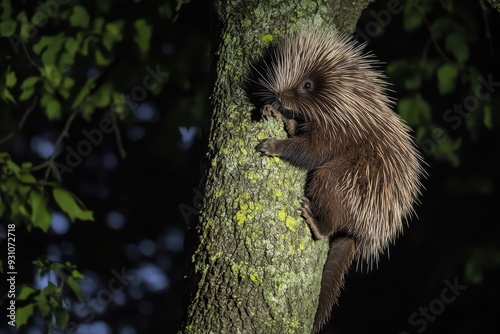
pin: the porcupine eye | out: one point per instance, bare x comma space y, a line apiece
307, 86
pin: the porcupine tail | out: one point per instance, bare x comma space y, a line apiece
340, 256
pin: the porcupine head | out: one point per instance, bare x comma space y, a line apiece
364, 169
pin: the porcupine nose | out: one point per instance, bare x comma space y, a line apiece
283, 99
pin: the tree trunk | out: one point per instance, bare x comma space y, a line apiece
255, 266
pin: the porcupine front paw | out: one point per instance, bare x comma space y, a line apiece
269, 111
268, 147
310, 219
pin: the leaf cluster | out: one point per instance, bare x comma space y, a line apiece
447, 69
50, 300
65, 61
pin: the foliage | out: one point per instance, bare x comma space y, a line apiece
49, 301
449, 68
25, 199
68, 61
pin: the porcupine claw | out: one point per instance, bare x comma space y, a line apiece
306, 205
309, 217
267, 147
269, 111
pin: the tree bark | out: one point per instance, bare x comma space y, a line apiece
255, 266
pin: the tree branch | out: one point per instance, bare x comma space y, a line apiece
23, 119
62, 135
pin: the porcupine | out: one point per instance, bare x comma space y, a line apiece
364, 169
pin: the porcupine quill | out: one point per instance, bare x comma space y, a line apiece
364, 169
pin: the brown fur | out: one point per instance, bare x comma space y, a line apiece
364, 167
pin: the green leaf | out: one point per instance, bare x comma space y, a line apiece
80, 17
27, 30
67, 84
98, 24
27, 88
10, 79
83, 92
413, 82
458, 47
72, 44
492, 113
26, 165
428, 68
53, 110
102, 98
115, 29
50, 289
24, 190
29, 82
447, 76
447, 4
441, 27
74, 273
70, 204
49, 56
88, 111
6, 9
45, 300
53, 74
2, 211
26, 94
414, 109
405, 110
487, 117
25, 292
7, 96
397, 66
13, 167
18, 209
7, 27
40, 215
52, 107
89, 41
62, 316
143, 34
112, 34
413, 17
27, 178
49, 47
23, 314
447, 151
75, 287
66, 60
45, 41
100, 59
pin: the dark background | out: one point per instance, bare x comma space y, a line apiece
143, 203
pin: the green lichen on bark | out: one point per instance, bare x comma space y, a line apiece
256, 266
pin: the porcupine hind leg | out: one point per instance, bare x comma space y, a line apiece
322, 205
311, 220
327, 215
340, 257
